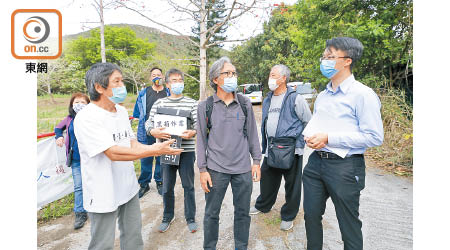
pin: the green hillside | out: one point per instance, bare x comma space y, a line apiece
172, 46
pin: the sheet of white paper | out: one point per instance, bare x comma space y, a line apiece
175, 125
323, 122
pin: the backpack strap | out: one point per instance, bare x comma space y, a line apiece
241, 100
209, 109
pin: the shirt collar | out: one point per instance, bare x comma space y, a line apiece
217, 99
344, 86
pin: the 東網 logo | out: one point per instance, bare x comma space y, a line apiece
36, 34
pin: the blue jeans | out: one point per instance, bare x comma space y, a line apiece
147, 167
186, 171
241, 186
77, 188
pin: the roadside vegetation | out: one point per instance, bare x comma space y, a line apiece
396, 153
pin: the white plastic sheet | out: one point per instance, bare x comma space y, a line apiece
54, 178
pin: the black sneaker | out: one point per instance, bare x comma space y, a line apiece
159, 187
143, 190
80, 219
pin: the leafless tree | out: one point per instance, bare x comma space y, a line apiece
198, 11
99, 6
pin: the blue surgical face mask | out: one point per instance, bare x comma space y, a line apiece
229, 84
177, 88
119, 95
327, 68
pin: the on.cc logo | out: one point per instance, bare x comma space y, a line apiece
36, 29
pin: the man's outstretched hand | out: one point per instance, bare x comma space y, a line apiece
164, 148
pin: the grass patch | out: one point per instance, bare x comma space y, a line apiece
49, 114
58, 208
396, 153
272, 220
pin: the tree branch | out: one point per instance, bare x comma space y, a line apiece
196, 5
226, 41
190, 59
217, 26
184, 10
186, 74
160, 24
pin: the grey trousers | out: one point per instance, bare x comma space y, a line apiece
103, 227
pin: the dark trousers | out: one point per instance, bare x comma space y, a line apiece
147, 167
270, 184
241, 185
186, 171
342, 180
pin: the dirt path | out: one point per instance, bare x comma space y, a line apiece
386, 212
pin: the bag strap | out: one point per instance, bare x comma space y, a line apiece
241, 100
209, 109
267, 118
210, 106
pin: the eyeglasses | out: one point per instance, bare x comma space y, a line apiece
332, 57
229, 73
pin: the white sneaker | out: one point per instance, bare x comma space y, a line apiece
286, 225
254, 211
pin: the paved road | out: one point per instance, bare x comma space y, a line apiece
386, 212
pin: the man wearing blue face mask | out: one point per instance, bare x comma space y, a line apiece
107, 148
226, 137
186, 106
144, 102
358, 125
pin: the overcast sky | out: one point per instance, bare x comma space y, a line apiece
80, 15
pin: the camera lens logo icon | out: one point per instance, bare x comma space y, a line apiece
36, 29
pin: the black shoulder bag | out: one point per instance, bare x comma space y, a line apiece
280, 151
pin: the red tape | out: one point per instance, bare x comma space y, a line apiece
43, 135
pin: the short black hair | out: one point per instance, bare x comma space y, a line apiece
99, 73
352, 47
155, 68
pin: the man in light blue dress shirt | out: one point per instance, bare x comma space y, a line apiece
356, 109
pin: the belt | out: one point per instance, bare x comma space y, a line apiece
329, 155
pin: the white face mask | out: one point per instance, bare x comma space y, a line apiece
78, 106
273, 84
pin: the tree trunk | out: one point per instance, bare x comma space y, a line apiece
203, 81
390, 76
49, 91
102, 33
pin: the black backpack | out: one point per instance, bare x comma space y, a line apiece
209, 109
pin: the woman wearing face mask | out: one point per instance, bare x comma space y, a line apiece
77, 102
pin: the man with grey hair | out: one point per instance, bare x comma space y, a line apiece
226, 137
284, 116
107, 148
357, 125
